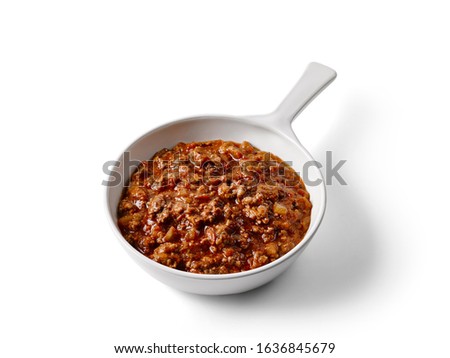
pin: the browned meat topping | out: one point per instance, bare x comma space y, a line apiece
214, 207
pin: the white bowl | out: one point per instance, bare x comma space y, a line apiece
271, 133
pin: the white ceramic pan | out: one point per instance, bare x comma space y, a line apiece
272, 133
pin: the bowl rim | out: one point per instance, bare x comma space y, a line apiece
199, 276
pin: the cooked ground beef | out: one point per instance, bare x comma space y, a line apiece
214, 207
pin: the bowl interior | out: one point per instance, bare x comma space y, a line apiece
226, 128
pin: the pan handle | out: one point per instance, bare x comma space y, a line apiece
313, 81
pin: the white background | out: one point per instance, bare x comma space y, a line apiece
80, 80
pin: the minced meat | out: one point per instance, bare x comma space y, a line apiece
214, 207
